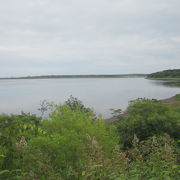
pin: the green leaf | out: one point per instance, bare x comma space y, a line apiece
4, 171
83, 173
2, 156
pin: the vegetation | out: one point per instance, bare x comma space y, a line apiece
167, 74
172, 102
74, 144
167, 77
146, 119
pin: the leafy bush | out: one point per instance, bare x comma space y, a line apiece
14, 129
147, 118
76, 105
63, 147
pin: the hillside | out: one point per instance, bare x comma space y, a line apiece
166, 74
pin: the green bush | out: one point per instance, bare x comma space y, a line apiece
14, 131
147, 118
76, 105
64, 143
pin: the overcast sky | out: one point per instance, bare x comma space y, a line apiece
39, 37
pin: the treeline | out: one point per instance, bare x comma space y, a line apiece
174, 73
79, 76
76, 144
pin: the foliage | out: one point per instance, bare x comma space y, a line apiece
177, 97
76, 105
45, 106
155, 158
14, 129
147, 118
116, 112
174, 73
74, 144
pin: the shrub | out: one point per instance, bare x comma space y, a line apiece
65, 141
147, 118
14, 131
76, 105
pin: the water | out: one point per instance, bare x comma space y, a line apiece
98, 93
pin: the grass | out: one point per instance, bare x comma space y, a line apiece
177, 97
172, 102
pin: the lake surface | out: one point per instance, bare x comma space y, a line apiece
101, 94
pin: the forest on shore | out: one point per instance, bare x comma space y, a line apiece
172, 73
74, 143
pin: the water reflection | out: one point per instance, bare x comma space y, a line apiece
168, 83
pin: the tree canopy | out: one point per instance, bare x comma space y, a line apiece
172, 73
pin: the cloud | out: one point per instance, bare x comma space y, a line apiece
88, 37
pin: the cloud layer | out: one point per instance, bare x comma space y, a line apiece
88, 36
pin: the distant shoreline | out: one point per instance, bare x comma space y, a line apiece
163, 78
78, 76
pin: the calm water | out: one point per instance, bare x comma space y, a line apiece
101, 94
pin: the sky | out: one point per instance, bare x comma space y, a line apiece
41, 37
